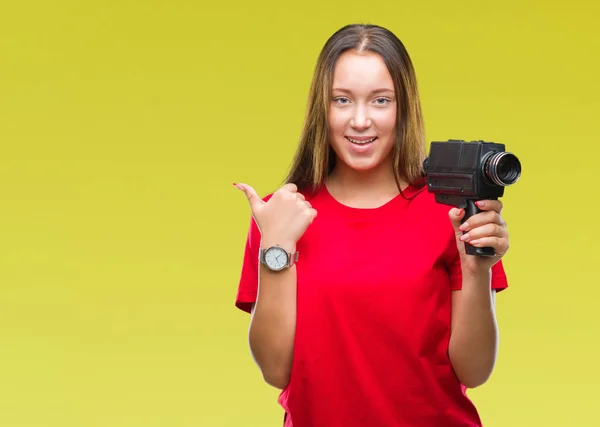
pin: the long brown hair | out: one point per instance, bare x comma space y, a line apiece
314, 158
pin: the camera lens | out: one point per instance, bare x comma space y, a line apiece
502, 168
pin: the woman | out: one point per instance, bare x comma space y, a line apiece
366, 311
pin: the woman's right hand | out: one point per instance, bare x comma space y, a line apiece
284, 218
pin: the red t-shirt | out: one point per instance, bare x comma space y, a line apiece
373, 316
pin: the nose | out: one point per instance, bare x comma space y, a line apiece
360, 120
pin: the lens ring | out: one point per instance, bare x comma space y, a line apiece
493, 163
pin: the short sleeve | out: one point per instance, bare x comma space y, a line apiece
248, 284
499, 279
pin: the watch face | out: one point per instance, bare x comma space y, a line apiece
276, 258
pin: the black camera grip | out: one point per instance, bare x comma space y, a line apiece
470, 210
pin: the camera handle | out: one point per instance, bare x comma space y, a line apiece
470, 210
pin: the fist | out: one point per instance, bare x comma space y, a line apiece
486, 228
284, 218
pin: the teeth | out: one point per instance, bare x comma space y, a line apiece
362, 142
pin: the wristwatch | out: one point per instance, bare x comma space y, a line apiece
276, 258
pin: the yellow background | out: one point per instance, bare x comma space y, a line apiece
123, 125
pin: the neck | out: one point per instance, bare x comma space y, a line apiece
370, 188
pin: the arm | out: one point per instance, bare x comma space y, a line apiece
474, 330
280, 219
273, 322
473, 343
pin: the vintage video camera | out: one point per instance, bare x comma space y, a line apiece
459, 173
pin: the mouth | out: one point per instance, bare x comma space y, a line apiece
361, 140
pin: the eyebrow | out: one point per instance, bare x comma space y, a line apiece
381, 90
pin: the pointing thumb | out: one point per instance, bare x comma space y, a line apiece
253, 198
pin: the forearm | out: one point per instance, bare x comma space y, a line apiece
273, 324
474, 337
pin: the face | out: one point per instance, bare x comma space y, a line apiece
362, 111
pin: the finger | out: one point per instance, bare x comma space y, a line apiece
253, 198
456, 215
304, 203
490, 205
499, 244
481, 219
300, 196
487, 230
292, 188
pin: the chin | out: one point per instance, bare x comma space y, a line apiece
362, 165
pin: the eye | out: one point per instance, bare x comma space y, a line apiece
382, 101
341, 100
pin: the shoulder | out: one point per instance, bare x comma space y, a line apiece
427, 202
429, 215
422, 199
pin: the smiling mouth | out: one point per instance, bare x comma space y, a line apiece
361, 141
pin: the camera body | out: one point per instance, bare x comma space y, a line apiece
460, 173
